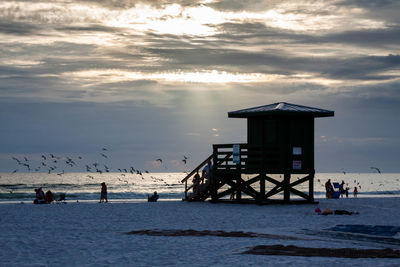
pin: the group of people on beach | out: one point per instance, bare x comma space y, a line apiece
42, 198
330, 191
201, 183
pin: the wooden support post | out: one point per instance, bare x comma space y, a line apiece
286, 187
186, 197
262, 187
311, 187
213, 178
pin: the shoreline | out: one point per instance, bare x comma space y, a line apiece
140, 200
94, 234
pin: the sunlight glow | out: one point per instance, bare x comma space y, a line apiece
198, 19
213, 76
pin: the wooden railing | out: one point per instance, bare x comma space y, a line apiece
202, 165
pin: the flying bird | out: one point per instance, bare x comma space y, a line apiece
184, 161
160, 160
103, 155
375, 168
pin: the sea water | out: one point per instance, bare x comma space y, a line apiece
19, 187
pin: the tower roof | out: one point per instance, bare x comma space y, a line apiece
281, 108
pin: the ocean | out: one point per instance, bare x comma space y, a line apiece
19, 187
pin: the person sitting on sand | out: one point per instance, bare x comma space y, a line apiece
196, 183
39, 196
153, 198
49, 197
103, 195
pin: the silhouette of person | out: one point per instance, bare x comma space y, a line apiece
153, 198
329, 189
103, 195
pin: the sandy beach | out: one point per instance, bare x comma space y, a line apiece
93, 234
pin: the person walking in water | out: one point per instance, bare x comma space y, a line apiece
103, 195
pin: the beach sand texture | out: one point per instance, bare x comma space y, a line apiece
93, 234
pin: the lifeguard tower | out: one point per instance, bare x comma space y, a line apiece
280, 144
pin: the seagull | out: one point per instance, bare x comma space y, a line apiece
184, 161
160, 160
14, 171
103, 155
27, 165
104, 149
375, 168
44, 157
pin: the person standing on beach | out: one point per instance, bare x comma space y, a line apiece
329, 189
103, 195
341, 189
355, 192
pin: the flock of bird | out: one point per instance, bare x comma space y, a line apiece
51, 163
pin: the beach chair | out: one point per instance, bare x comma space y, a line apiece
61, 197
336, 194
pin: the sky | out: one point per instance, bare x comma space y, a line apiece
156, 79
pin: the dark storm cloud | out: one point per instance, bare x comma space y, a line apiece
387, 10
125, 4
20, 28
356, 67
88, 28
239, 5
377, 38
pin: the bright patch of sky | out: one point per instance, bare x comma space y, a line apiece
199, 60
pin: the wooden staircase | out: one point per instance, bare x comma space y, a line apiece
202, 190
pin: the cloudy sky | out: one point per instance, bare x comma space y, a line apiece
155, 79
